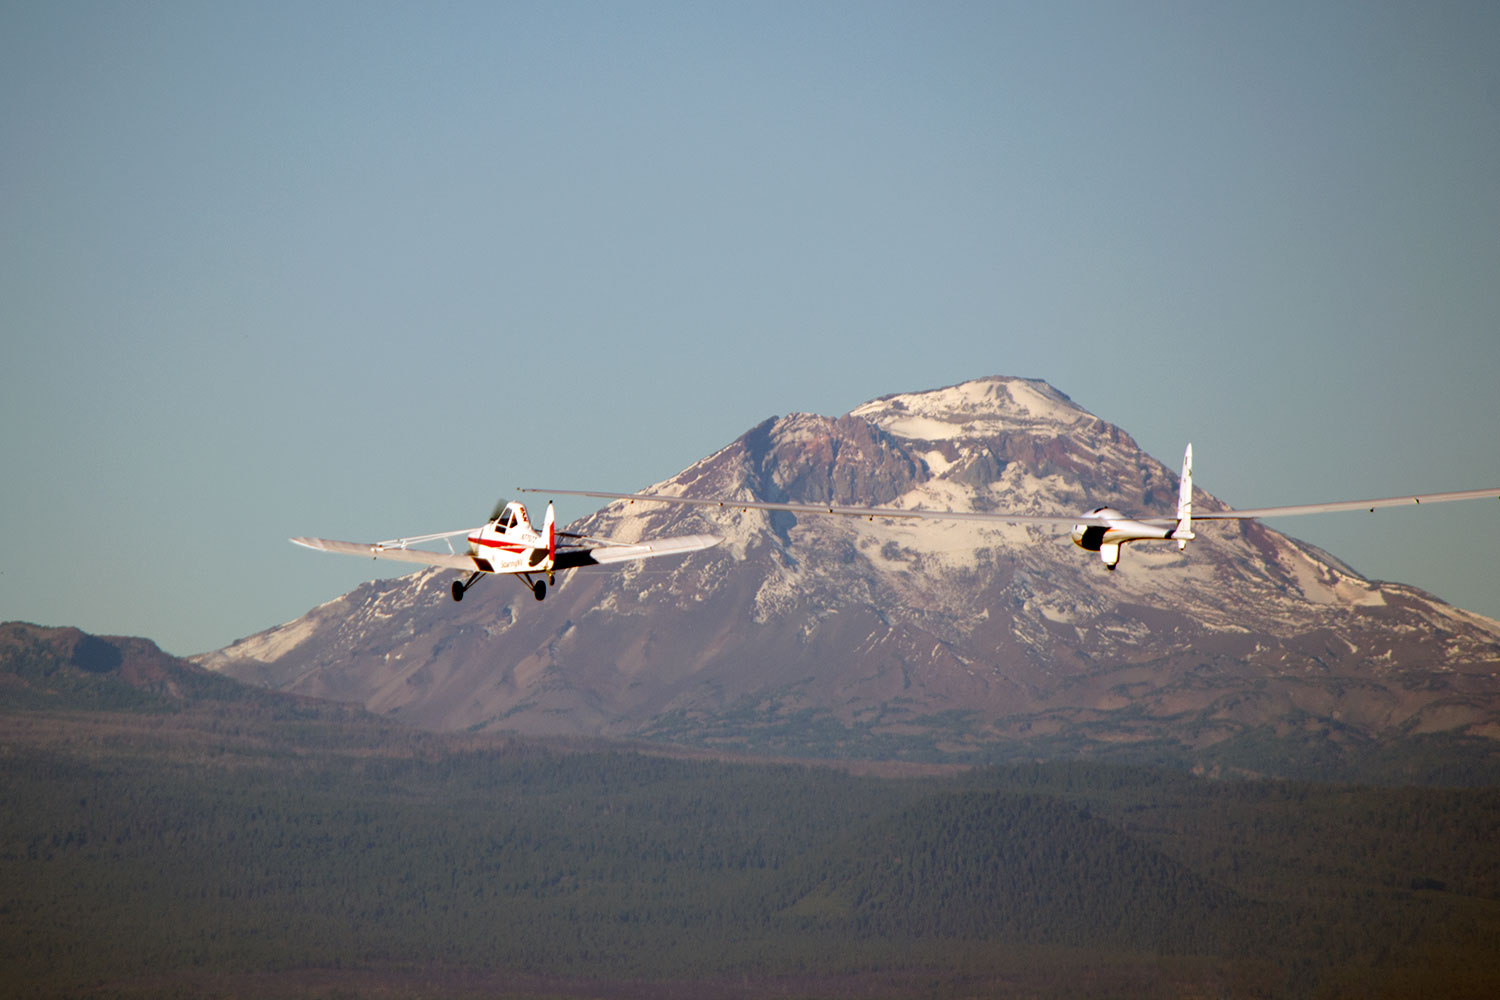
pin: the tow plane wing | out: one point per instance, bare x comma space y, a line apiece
384, 550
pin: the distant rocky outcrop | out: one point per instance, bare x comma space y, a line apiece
67, 668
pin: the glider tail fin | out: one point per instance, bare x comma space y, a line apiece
1184, 530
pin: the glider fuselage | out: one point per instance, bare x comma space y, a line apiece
1118, 531
1108, 529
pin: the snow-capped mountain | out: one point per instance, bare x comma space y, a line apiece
849, 636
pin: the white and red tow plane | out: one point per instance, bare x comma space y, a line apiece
508, 543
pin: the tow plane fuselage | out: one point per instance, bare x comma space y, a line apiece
511, 544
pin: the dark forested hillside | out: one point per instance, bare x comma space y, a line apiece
259, 851
64, 668
1022, 867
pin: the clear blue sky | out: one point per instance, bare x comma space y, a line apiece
357, 269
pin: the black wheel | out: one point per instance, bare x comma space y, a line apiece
458, 590
539, 589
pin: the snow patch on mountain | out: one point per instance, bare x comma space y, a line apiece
937, 463
970, 409
922, 428
1040, 401
269, 645
778, 595
1323, 584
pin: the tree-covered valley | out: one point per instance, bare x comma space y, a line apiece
167, 832
239, 850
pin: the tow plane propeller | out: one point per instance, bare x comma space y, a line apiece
1103, 530
508, 543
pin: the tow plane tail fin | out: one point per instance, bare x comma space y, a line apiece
1184, 529
549, 531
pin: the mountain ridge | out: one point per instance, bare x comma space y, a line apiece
941, 640
64, 666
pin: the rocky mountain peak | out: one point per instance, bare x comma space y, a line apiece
878, 637
985, 407
814, 459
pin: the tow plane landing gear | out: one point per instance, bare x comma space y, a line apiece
538, 588
459, 586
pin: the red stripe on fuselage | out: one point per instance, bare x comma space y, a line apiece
495, 543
